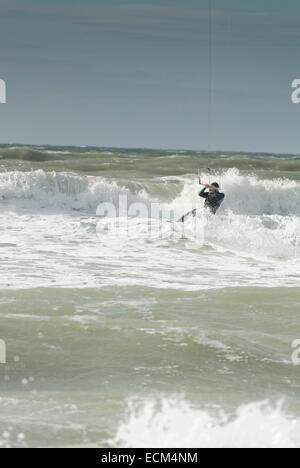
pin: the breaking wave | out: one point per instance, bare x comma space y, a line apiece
245, 195
174, 423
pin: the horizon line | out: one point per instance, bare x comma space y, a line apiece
137, 148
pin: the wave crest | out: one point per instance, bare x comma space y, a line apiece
174, 423
38, 189
245, 195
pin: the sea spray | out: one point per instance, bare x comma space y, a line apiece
245, 195
148, 314
173, 422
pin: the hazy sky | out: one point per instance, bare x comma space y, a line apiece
136, 73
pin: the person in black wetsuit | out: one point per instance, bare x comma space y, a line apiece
213, 198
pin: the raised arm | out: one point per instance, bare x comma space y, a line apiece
203, 194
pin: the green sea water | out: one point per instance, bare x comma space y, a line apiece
144, 336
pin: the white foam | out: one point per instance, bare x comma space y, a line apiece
36, 224
40, 189
174, 423
247, 194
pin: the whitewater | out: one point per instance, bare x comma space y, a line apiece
124, 327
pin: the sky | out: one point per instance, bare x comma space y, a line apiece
192, 74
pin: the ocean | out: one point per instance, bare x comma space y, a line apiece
125, 328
